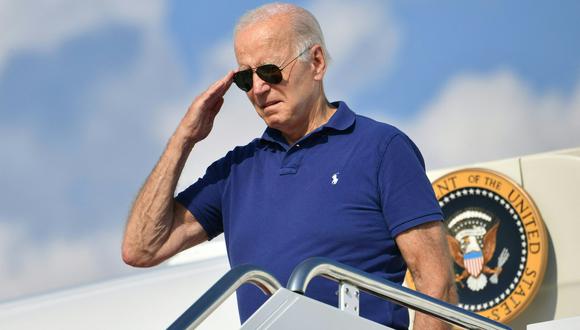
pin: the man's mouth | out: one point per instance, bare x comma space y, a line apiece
269, 103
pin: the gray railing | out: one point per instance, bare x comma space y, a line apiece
384, 289
221, 290
350, 280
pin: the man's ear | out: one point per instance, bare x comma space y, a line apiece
318, 60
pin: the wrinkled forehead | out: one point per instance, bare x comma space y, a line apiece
270, 41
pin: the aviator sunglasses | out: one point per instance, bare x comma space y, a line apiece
269, 73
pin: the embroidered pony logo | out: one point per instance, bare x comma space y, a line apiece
334, 178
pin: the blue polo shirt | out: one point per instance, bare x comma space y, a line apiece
344, 191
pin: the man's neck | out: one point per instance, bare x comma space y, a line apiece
320, 114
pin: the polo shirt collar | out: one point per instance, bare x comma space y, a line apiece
341, 120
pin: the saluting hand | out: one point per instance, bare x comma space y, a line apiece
198, 121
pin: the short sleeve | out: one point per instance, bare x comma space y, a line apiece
204, 198
407, 198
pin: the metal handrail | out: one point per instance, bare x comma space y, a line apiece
221, 290
385, 289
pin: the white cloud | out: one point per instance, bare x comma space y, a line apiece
117, 108
44, 25
29, 266
28, 176
47, 238
485, 117
362, 39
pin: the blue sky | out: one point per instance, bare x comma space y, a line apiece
90, 92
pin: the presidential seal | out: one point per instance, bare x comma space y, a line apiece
497, 242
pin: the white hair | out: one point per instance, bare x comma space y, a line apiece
304, 25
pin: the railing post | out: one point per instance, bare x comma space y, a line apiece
348, 298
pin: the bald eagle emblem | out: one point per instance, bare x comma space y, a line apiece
473, 246
496, 240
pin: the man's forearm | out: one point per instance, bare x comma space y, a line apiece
435, 281
445, 292
151, 224
151, 217
425, 251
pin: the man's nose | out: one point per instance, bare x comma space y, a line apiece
259, 85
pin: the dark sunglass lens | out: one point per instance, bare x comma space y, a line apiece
269, 73
243, 79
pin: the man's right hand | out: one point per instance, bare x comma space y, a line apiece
198, 121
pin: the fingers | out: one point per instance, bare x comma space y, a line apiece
212, 99
220, 87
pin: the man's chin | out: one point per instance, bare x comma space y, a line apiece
274, 122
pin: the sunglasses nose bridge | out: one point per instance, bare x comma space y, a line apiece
258, 84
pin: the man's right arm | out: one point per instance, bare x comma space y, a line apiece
158, 227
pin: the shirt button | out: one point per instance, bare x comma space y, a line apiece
298, 146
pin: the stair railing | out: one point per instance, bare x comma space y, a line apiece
221, 290
384, 289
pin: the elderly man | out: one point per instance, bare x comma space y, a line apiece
321, 181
